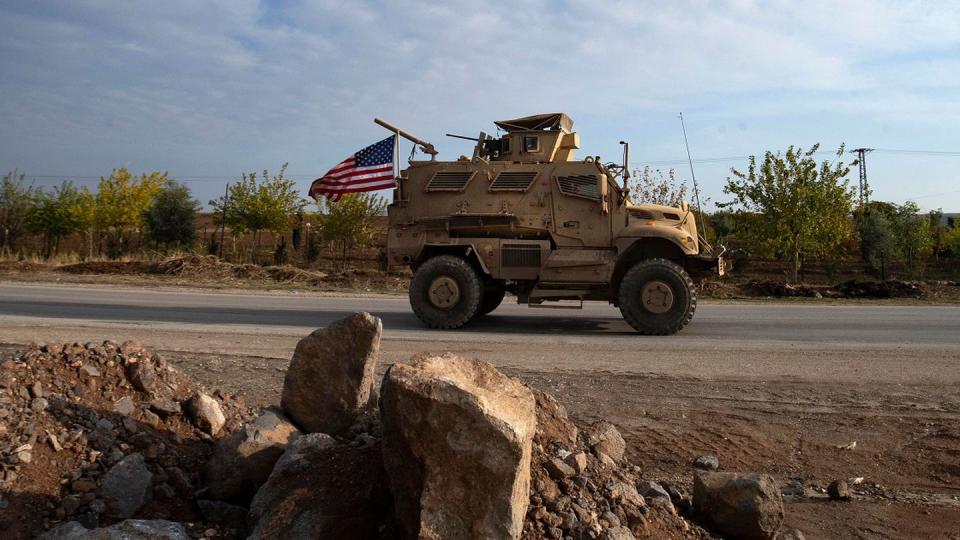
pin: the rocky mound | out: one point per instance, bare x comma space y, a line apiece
847, 289
583, 486
99, 432
108, 441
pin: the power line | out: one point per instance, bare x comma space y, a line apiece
678, 161
191, 178
917, 152
936, 194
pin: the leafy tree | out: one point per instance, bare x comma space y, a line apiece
877, 240
652, 187
170, 217
59, 213
951, 241
16, 200
252, 205
914, 235
351, 220
802, 208
939, 231
121, 201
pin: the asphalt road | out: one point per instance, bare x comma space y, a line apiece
809, 341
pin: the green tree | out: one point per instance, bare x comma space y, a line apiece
951, 241
252, 205
16, 200
915, 236
170, 218
59, 213
939, 231
877, 241
802, 207
120, 203
351, 221
651, 187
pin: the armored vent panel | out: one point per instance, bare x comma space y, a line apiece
513, 181
449, 180
520, 255
584, 185
641, 214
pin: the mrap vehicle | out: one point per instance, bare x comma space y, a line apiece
524, 215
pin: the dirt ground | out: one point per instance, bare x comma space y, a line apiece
360, 275
907, 437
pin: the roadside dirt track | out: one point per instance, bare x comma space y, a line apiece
766, 387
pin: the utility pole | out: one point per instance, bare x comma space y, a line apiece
864, 186
223, 219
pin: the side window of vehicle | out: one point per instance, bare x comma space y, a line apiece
586, 186
531, 143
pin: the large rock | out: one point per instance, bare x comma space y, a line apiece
606, 440
457, 443
126, 487
142, 375
319, 489
744, 506
243, 460
331, 374
131, 529
206, 414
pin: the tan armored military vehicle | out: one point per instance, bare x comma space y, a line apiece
524, 215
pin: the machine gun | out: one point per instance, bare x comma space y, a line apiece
426, 147
487, 146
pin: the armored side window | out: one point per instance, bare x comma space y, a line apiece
582, 185
450, 180
531, 143
513, 181
505, 145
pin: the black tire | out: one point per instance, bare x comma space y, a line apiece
677, 311
492, 297
469, 292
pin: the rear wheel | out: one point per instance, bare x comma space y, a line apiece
657, 297
445, 292
492, 297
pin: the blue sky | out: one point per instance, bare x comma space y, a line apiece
206, 90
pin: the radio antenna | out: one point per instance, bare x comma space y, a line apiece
693, 175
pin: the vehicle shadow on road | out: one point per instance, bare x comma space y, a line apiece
545, 323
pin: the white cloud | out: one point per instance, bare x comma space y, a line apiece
217, 87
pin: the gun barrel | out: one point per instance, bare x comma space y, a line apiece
464, 137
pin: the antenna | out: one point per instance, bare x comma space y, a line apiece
696, 188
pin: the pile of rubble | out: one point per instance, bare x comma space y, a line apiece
848, 289
445, 447
93, 432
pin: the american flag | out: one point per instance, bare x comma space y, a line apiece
369, 169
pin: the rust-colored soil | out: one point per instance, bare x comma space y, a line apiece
907, 451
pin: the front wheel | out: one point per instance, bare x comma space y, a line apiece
445, 292
657, 297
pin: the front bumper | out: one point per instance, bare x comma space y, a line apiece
700, 265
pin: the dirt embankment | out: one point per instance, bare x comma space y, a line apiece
209, 271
